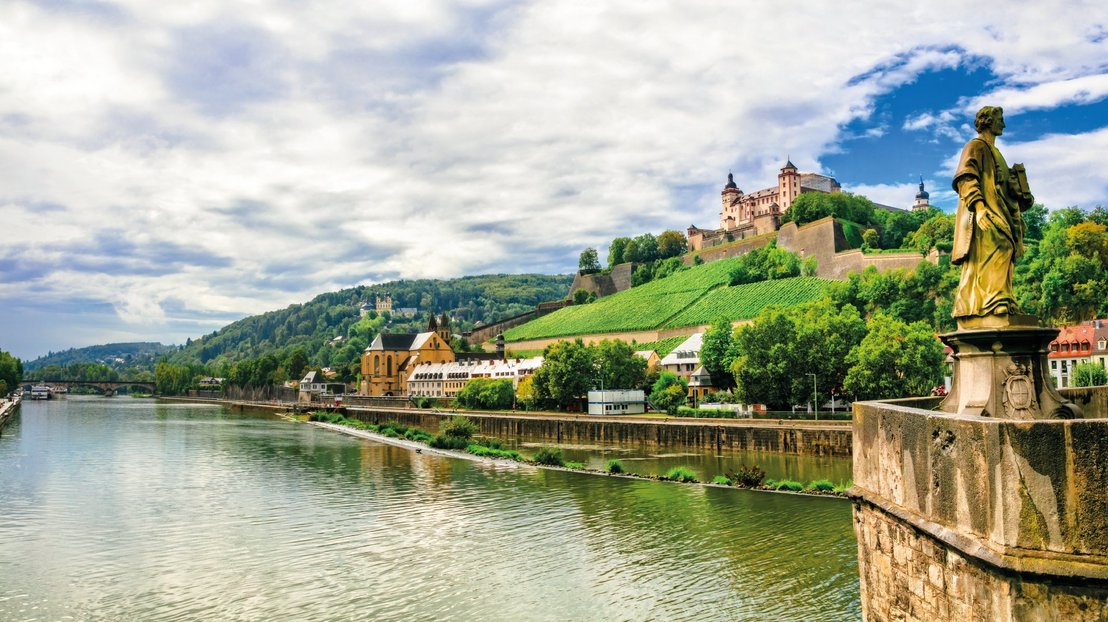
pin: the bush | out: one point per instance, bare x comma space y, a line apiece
550, 456
841, 488
788, 484
722, 480
443, 441
489, 452
487, 393
575, 465
821, 485
750, 476
680, 474
458, 427
614, 466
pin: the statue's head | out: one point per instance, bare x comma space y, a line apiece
990, 119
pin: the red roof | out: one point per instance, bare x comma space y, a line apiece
1077, 341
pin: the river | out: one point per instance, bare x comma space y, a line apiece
129, 509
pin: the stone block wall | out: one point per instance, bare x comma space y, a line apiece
907, 575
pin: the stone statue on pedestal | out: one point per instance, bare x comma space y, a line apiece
988, 234
999, 355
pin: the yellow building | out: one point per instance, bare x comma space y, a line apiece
390, 359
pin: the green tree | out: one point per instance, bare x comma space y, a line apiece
617, 366
765, 264
566, 374
1064, 277
646, 248
583, 297
672, 244
615, 251
589, 261
296, 363
487, 393
717, 352
777, 352
871, 239
812, 206
1089, 375
525, 393
11, 371
669, 392
935, 232
894, 360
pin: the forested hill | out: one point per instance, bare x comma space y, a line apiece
330, 333
118, 356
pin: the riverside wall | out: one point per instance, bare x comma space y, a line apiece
806, 438
8, 407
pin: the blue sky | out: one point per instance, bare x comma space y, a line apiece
171, 167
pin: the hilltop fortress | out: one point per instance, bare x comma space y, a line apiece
745, 216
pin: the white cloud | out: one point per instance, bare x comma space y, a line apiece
310, 150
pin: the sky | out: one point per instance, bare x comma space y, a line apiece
169, 167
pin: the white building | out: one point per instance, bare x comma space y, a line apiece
446, 379
1084, 343
685, 358
618, 402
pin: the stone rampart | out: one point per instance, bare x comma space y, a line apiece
490, 331
604, 283
965, 517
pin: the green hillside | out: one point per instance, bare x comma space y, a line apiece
687, 298
115, 355
330, 332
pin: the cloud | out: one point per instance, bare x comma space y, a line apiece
206, 159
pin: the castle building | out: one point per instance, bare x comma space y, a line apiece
385, 303
747, 215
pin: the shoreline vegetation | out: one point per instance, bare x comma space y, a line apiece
457, 440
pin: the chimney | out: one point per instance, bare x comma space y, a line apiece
500, 346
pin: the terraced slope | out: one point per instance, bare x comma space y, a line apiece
695, 296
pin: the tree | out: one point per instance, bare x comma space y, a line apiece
894, 360
296, 362
717, 352
646, 248
617, 365
764, 264
11, 371
672, 244
615, 251
525, 393
812, 206
583, 296
589, 262
1089, 375
871, 239
777, 351
487, 393
566, 374
669, 392
935, 232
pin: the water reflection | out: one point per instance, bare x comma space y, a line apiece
126, 509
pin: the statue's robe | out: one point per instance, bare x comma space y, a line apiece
988, 232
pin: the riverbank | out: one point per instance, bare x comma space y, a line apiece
790, 437
8, 408
676, 476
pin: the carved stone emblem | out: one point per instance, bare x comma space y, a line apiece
1019, 392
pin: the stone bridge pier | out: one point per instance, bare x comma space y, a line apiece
969, 517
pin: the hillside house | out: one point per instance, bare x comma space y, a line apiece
447, 378
1084, 343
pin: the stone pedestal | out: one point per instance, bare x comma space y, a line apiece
1002, 372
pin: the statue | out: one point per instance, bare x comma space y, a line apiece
988, 229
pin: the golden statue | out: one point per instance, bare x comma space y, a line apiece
988, 230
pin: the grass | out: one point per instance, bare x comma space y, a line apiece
662, 346
577, 466
680, 474
785, 484
614, 466
490, 452
722, 480
820, 485
550, 456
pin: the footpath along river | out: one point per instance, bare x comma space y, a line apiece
130, 509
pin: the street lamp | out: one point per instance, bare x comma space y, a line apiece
815, 395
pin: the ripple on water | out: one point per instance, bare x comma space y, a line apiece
127, 510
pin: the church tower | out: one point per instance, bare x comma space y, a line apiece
443, 330
923, 199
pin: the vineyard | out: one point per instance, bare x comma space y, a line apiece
698, 295
743, 302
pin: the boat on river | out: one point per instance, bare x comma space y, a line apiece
40, 392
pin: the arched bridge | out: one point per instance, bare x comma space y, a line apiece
107, 387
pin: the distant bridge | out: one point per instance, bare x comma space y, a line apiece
107, 387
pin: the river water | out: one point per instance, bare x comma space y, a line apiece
128, 509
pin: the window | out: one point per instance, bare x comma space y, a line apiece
376, 365
1054, 364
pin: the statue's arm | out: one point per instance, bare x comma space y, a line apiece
969, 189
